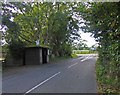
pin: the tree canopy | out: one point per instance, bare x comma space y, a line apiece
56, 25
51, 23
103, 21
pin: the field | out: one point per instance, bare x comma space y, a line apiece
83, 52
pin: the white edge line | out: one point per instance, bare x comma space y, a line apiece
41, 83
72, 65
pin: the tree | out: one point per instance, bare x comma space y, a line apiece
52, 24
10, 29
103, 21
81, 45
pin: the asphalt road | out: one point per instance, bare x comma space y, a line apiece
69, 76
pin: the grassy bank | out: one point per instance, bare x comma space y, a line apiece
56, 59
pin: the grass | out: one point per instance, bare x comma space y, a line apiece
83, 51
74, 55
56, 59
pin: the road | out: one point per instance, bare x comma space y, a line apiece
68, 76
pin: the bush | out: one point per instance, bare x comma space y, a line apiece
106, 83
74, 56
16, 49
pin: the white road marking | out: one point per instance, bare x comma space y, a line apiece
80, 57
83, 60
89, 57
42, 83
72, 65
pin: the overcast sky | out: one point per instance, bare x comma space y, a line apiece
90, 40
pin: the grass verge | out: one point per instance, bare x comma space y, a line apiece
56, 59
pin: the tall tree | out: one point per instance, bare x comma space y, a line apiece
103, 21
54, 24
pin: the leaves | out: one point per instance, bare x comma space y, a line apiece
103, 20
53, 24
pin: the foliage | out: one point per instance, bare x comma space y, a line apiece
57, 59
105, 84
10, 31
84, 51
103, 21
16, 49
81, 45
51, 23
74, 55
5, 50
57, 24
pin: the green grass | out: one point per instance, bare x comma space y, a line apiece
56, 59
83, 51
74, 56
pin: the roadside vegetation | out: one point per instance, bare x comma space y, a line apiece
52, 24
56, 26
76, 53
57, 59
103, 20
84, 51
82, 48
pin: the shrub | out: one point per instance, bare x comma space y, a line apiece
16, 49
74, 56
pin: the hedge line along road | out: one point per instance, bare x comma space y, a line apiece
66, 76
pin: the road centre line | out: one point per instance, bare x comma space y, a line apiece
52, 77
72, 65
86, 59
80, 57
41, 83
83, 60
